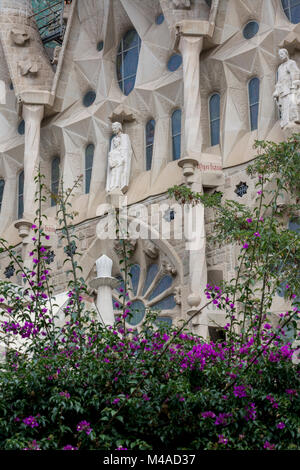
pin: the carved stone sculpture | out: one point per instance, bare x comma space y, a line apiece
119, 160
19, 37
150, 249
28, 66
181, 4
287, 90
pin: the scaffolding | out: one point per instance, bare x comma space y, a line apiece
49, 16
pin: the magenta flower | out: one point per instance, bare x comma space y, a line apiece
116, 400
208, 414
259, 192
31, 422
47, 237
239, 391
280, 425
268, 445
249, 221
245, 246
69, 447
257, 234
84, 426
222, 439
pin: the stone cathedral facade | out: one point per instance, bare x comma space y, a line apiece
193, 85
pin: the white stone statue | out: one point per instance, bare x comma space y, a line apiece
287, 90
119, 160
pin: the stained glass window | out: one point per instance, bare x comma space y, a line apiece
214, 117
127, 61
21, 195
89, 158
250, 30
253, 89
89, 98
150, 128
292, 10
176, 134
174, 62
159, 19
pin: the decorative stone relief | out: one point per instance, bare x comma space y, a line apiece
19, 37
119, 160
181, 4
28, 67
167, 268
56, 53
150, 249
177, 295
287, 90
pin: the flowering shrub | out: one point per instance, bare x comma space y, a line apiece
86, 386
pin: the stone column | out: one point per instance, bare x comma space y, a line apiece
104, 283
33, 115
190, 48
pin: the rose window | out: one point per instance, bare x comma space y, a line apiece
152, 287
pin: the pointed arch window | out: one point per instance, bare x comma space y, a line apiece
150, 129
89, 159
127, 61
176, 134
21, 195
54, 179
2, 184
214, 119
253, 90
292, 10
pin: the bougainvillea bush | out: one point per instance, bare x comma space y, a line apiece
79, 385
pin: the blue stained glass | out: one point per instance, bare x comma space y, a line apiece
163, 284
2, 184
250, 30
127, 61
160, 19
20, 195
166, 304
292, 10
21, 127
214, 112
89, 98
253, 88
135, 277
174, 62
137, 311
151, 273
89, 159
176, 134
176, 147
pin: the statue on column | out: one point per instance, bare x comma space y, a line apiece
287, 90
119, 160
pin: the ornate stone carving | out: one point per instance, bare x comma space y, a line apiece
287, 90
167, 268
19, 37
177, 295
28, 67
181, 4
150, 249
56, 54
119, 160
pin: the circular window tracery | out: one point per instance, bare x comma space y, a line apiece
154, 290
